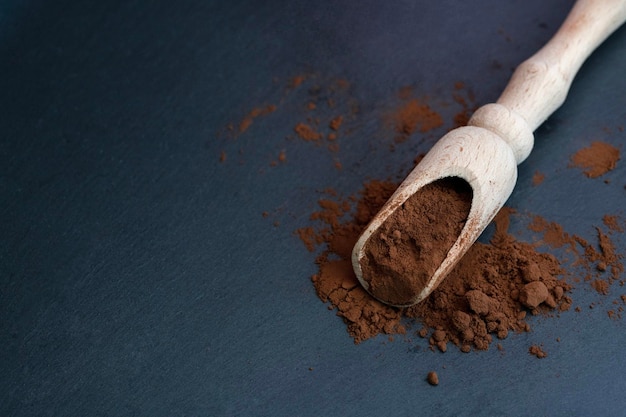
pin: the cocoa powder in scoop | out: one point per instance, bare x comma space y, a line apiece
406, 250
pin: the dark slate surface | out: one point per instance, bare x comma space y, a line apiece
137, 275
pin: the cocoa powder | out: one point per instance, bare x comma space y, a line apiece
432, 378
410, 245
612, 221
306, 132
253, 114
335, 281
596, 159
491, 290
537, 351
600, 263
538, 178
463, 116
413, 115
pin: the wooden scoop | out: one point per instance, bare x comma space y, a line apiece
499, 136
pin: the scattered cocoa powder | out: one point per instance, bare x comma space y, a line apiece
309, 237
537, 351
553, 233
282, 158
594, 260
597, 159
609, 256
320, 93
418, 115
613, 223
410, 245
335, 124
462, 117
297, 80
412, 116
306, 132
473, 305
538, 178
253, 114
601, 286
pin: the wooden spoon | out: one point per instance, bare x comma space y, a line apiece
499, 135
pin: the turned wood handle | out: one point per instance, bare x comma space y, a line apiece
540, 84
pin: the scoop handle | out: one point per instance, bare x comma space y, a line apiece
540, 84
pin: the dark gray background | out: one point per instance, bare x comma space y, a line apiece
137, 275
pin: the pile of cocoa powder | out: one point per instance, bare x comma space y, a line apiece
487, 295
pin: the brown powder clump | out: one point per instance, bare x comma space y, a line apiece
335, 124
601, 286
432, 378
609, 256
410, 245
596, 159
537, 351
306, 132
